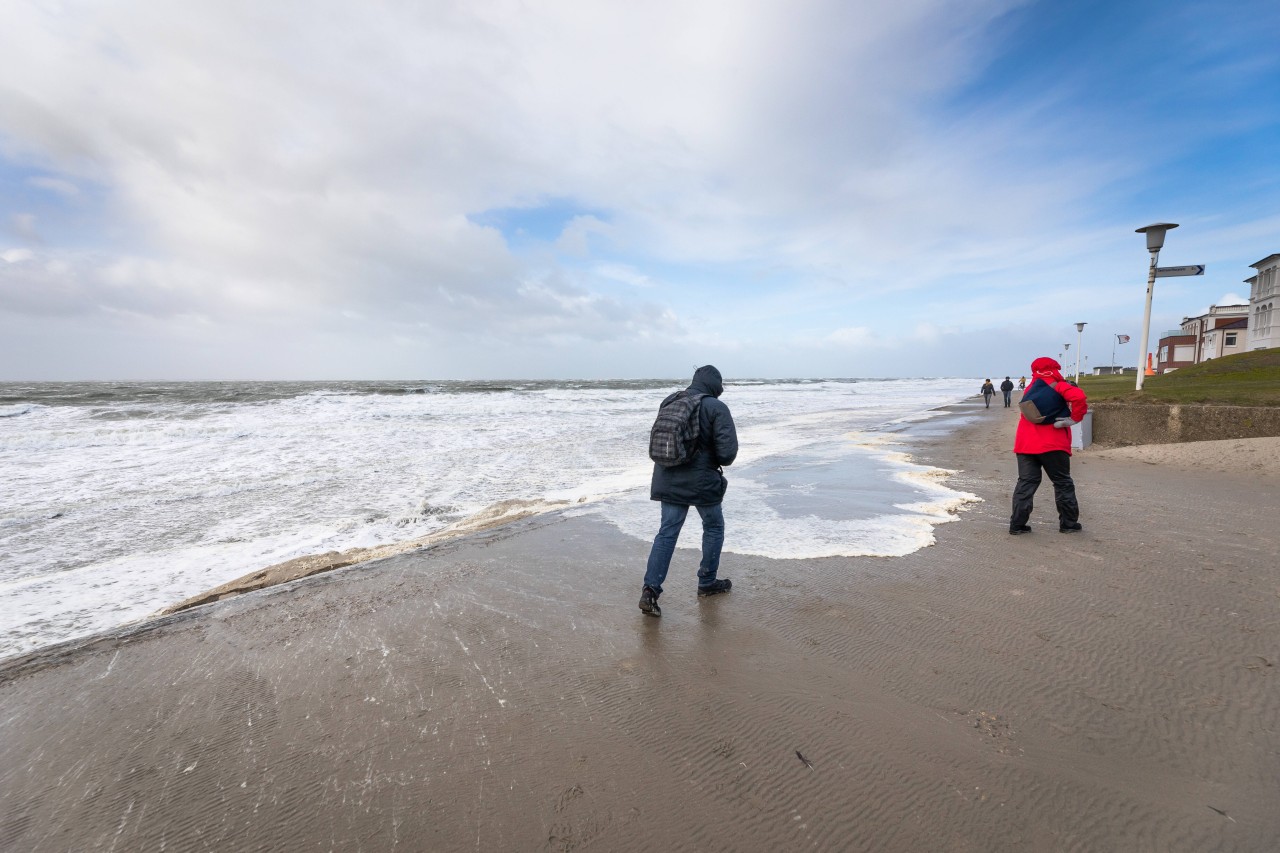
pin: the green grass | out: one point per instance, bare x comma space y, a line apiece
1245, 379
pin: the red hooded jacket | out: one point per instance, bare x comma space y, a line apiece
1042, 438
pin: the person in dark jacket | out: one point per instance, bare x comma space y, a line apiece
1007, 387
698, 483
1047, 447
988, 391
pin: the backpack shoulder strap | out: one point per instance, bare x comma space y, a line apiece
699, 438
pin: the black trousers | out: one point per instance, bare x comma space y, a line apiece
1055, 463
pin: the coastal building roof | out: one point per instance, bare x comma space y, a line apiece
1217, 310
1268, 259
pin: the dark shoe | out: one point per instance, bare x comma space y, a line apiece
649, 602
1019, 529
1070, 527
715, 587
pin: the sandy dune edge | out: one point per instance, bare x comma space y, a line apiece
1258, 456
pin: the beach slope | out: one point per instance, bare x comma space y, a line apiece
1109, 690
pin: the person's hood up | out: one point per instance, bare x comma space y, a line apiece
1047, 369
707, 380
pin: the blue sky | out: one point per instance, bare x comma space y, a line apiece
482, 189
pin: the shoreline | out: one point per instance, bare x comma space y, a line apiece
496, 516
309, 565
1106, 690
146, 533
501, 513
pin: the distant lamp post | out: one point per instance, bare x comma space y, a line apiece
1155, 242
1079, 334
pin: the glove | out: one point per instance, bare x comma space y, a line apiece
1064, 423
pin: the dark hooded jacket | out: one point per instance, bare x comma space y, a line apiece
699, 482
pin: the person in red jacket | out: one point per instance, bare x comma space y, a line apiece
1046, 448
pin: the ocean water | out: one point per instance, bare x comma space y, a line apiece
118, 499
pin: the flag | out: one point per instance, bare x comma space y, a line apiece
1124, 339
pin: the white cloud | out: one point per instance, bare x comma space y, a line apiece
573, 239
623, 273
54, 185
1226, 299
24, 225
16, 256
755, 167
330, 141
852, 336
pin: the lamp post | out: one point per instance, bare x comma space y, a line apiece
1079, 333
1155, 242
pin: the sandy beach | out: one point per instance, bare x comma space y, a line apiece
1113, 690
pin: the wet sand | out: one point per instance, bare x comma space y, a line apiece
1110, 690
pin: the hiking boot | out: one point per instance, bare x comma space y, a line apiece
649, 602
1070, 527
1019, 529
715, 587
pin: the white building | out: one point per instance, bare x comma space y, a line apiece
1225, 340
1264, 288
1219, 332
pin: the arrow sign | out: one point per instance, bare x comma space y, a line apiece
1166, 272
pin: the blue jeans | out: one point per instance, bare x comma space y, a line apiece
664, 544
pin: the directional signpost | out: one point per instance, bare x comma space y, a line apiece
1167, 272
1155, 242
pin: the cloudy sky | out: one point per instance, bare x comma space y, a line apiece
494, 188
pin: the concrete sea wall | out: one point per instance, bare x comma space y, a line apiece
1117, 424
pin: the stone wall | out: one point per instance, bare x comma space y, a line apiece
1119, 424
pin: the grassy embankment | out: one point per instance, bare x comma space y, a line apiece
1245, 379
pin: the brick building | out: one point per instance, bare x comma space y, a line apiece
1175, 349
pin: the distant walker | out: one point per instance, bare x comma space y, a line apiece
1006, 387
988, 391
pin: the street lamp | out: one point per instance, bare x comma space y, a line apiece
1155, 242
1079, 333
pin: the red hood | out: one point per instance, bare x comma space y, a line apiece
1047, 369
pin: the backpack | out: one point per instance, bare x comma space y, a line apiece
1042, 404
674, 435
